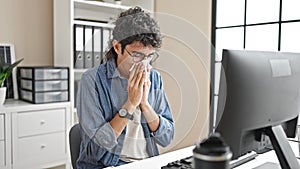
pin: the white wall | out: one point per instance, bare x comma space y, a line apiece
28, 25
185, 66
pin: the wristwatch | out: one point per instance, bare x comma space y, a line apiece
123, 113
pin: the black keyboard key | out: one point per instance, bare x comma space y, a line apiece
187, 160
185, 163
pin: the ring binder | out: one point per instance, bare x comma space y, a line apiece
97, 54
88, 47
105, 40
79, 43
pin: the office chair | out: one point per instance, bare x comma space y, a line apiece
74, 140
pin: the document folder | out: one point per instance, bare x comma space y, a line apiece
97, 54
106, 39
88, 63
79, 44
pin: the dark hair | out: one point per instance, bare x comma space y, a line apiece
135, 25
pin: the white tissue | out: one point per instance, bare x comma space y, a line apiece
131, 67
146, 63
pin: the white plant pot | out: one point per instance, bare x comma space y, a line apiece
118, 2
2, 95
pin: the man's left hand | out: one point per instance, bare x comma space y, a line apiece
146, 87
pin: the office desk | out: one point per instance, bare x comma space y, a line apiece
158, 161
162, 160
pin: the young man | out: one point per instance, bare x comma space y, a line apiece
122, 107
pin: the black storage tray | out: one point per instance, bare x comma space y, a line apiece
43, 73
43, 97
43, 84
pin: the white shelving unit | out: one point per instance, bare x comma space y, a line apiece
66, 14
34, 135
95, 10
78, 22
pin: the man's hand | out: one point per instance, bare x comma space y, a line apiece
138, 91
146, 87
136, 81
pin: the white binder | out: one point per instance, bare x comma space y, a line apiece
97, 54
88, 55
79, 43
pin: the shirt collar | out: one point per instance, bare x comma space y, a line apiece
112, 71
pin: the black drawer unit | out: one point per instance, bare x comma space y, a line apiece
43, 84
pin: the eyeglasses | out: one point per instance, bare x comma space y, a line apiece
139, 56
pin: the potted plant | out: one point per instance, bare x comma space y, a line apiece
5, 72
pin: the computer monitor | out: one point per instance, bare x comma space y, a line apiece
259, 102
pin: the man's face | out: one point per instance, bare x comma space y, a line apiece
135, 53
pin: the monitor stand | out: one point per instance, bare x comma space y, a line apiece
282, 147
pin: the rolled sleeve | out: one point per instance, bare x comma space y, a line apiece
164, 134
105, 137
91, 114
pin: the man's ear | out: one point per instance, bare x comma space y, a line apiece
117, 47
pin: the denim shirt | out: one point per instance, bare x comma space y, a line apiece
102, 93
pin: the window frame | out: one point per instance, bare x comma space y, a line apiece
214, 28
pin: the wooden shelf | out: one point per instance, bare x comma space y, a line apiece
96, 5
80, 70
89, 23
98, 11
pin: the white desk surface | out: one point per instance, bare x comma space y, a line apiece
158, 161
162, 160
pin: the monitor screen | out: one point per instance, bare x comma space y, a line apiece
259, 102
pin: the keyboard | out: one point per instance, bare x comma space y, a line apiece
186, 163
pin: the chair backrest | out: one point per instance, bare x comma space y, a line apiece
74, 140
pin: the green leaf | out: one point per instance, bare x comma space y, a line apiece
5, 71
